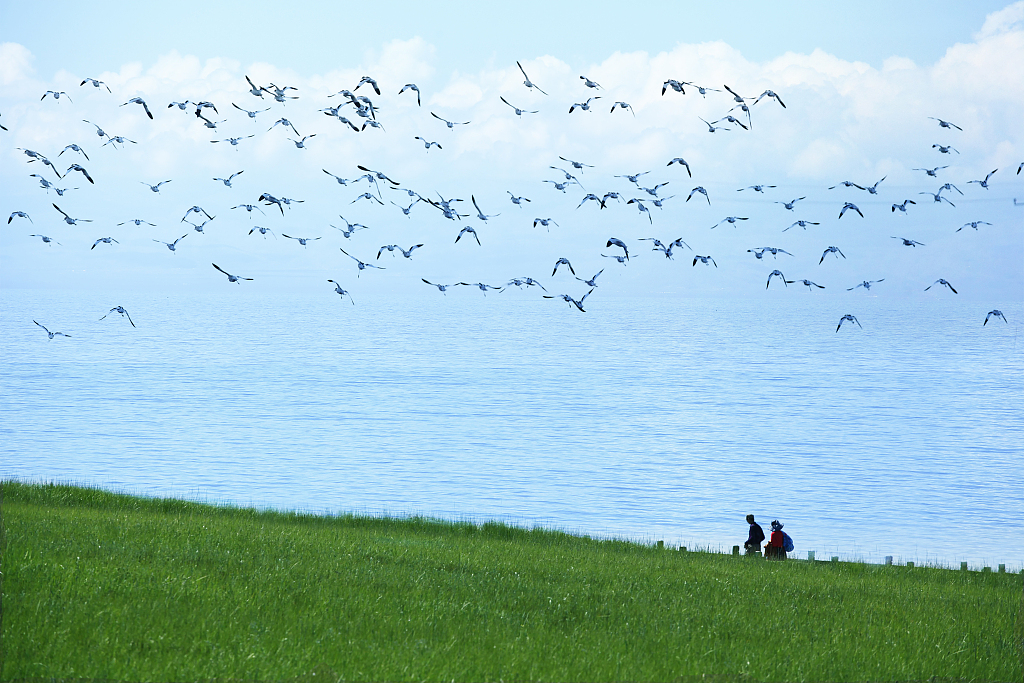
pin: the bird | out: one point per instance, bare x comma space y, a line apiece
407, 253
301, 144
441, 288
408, 209
703, 91
95, 83
51, 335
973, 224
262, 231
56, 95
248, 209
850, 206
909, 243
946, 124
642, 207
851, 318
578, 165
592, 282
675, 85
139, 100
572, 302
704, 260
366, 195
234, 141
589, 83
80, 169
451, 124
847, 183
729, 219
341, 181
528, 83
199, 226
172, 245
119, 309
342, 292
284, 122
771, 95
426, 144
702, 191
1020, 167
251, 114
254, 89
524, 281
372, 123
377, 175
789, 205
47, 240
367, 80
623, 105
933, 172
756, 188
231, 278
481, 286
118, 140
937, 196
592, 197
469, 230
544, 222
653, 191
227, 181
866, 284
561, 186
583, 106
616, 242
562, 261
519, 112
873, 189
349, 227
983, 183
830, 250
902, 206
776, 273
731, 119
621, 259
103, 240
997, 313
951, 186
807, 283
480, 214
75, 148
945, 149
184, 105
614, 195
802, 224
99, 131
682, 161
735, 97
413, 87
942, 282
712, 127
633, 178
301, 240
517, 200
19, 214
68, 219
196, 209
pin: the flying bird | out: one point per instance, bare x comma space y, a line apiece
972, 224
850, 206
866, 284
301, 240
851, 318
342, 292
704, 260
789, 205
997, 313
413, 87
712, 127
95, 83
806, 283
831, 250
480, 214
56, 95
528, 83
469, 230
451, 124
616, 242
76, 167
441, 288
231, 278
946, 124
933, 172
51, 335
909, 243
702, 191
124, 314
562, 261
937, 196
568, 299
47, 240
771, 95
902, 206
578, 165
583, 106
68, 219
729, 219
75, 148
589, 83
517, 200
756, 188
427, 145
519, 112
103, 240
139, 100
942, 282
227, 181
682, 161
776, 273
945, 149
196, 209
173, 245
19, 214
983, 183
623, 105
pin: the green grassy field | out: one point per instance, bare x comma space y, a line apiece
99, 585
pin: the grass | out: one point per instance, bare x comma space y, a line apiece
101, 585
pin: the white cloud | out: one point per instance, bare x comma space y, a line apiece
1010, 18
15, 63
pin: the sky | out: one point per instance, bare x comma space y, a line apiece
859, 84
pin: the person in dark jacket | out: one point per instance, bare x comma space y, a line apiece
754, 538
776, 548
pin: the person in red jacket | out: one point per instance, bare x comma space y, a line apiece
776, 548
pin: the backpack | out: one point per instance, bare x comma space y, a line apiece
787, 543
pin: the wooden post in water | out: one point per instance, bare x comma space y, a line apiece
1002, 569
963, 566
888, 560
736, 551
661, 545
810, 556
835, 558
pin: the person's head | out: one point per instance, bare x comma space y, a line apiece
776, 525
750, 519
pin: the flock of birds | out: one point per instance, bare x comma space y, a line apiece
359, 112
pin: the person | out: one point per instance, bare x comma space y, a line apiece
776, 548
754, 538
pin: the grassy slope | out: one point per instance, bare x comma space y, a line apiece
105, 586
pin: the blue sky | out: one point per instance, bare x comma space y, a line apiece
859, 83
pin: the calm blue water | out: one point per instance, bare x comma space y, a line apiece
644, 418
